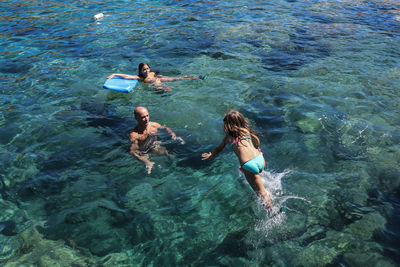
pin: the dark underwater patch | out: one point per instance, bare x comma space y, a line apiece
217, 55
233, 246
301, 49
7, 228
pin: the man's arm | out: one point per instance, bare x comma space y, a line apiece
173, 135
134, 151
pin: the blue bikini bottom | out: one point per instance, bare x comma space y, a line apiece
255, 165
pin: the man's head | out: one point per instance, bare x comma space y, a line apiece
142, 116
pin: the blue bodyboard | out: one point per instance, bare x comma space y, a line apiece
120, 84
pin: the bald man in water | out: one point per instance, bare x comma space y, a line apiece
144, 138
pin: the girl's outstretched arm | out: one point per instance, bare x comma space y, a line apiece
125, 76
217, 150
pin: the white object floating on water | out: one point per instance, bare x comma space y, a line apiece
98, 16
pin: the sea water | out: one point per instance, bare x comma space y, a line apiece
319, 80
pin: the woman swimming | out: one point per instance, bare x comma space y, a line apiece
146, 75
245, 144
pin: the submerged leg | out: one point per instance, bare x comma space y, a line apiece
255, 182
160, 151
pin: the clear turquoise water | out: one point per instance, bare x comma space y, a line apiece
320, 80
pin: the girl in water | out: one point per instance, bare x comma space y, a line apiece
146, 75
245, 144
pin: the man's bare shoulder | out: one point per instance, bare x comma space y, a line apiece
155, 125
134, 135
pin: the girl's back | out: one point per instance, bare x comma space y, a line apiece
244, 148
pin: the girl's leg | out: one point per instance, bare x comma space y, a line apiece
255, 182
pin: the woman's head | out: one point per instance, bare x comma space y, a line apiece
144, 69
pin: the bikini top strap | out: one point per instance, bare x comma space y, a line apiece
236, 141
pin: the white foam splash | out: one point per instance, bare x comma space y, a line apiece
270, 224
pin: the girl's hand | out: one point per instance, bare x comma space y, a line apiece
206, 155
111, 76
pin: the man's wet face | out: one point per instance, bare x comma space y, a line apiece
143, 117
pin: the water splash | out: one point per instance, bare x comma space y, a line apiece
270, 225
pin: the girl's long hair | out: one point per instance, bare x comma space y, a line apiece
141, 65
236, 125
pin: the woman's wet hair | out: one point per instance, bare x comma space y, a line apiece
236, 125
140, 68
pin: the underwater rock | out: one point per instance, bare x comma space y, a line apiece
33, 250
364, 228
317, 161
93, 231
302, 48
267, 118
141, 198
12, 218
355, 182
7, 228
389, 179
315, 232
332, 30
233, 245
116, 259
97, 109
310, 124
316, 255
101, 244
106, 204
296, 228
332, 213
4, 188
368, 259
366, 254
287, 99
21, 174
347, 212
233, 248
348, 152
217, 55
325, 251
99, 226
83, 212
305, 121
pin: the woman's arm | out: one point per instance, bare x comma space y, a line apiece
217, 150
172, 79
125, 76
